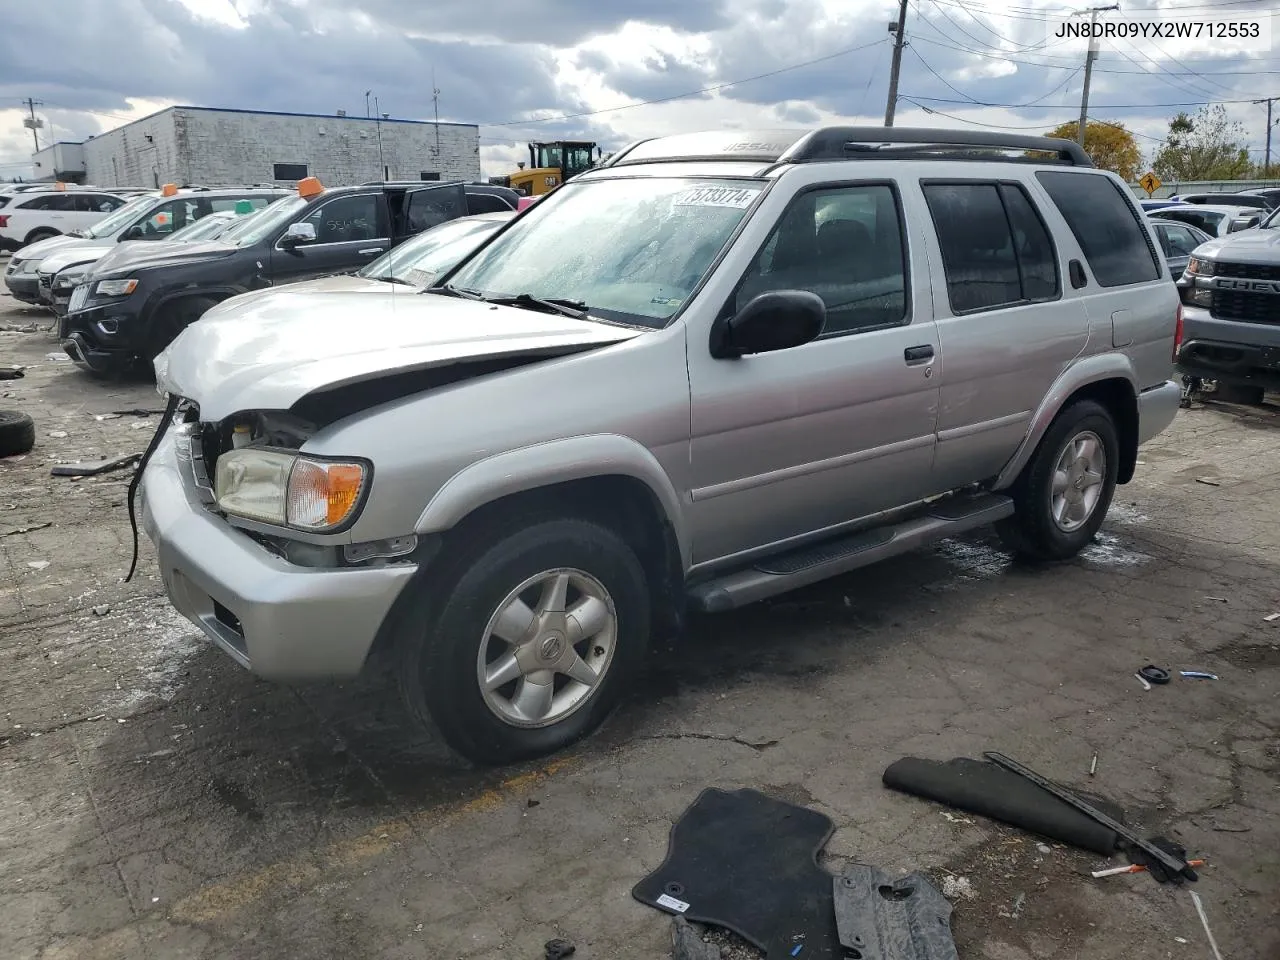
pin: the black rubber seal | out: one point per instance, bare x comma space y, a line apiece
1154, 674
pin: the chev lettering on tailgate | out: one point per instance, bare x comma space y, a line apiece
1252, 286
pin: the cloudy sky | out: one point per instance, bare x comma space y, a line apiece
541, 69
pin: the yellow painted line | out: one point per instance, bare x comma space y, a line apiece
217, 901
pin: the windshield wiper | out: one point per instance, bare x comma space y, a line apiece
449, 290
391, 279
569, 308
77, 233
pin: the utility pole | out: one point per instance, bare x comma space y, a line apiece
366, 103
899, 31
1089, 57
1266, 166
382, 163
435, 105
34, 122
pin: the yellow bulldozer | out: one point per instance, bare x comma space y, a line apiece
550, 164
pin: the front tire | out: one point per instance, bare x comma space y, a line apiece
1063, 494
1241, 393
173, 319
526, 646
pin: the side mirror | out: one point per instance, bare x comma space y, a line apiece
298, 233
771, 321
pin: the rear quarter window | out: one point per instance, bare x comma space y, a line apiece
1105, 224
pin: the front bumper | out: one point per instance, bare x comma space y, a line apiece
24, 287
1230, 351
279, 620
100, 337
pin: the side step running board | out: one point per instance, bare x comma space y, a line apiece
797, 568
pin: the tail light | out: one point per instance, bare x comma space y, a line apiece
1177, 335
4, 221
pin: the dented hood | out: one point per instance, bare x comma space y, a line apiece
267, 351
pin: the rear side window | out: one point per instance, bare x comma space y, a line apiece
49, 201
995, 249
486, 203
1106, 226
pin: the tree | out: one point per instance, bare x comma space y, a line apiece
1110, 146
1208, 146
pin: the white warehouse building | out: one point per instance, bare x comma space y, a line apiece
213, 147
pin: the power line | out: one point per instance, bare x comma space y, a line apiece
692, 93
1096, 106
1069, 77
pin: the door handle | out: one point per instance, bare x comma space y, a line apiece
918, 355
369, 251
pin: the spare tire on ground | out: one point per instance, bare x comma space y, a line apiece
17, 433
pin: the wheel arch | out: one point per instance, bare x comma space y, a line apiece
36, 234
610, 480
1108, 379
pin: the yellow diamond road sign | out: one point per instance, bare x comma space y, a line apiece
1150, 182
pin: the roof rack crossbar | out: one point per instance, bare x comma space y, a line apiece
845, 143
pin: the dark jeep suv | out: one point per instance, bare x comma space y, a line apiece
135, 300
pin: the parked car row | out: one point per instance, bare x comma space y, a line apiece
151, 216
132, 301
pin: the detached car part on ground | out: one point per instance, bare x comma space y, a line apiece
136, 300
718, 368
1231, 313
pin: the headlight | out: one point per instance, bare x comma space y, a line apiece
1200, 268
115, 288
29, 266
287, 489
66, 281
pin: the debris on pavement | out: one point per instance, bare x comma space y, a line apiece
958, 888
1204, 921
138, 412
12, 373
57, 434
1141, 680
1271, 617
559, 949
1219, 599
878, 916
106, 416
91, 468
37, 564
1093, 764
1208, 481
12, 531
1197, 675
1161, 855
102, 610
687, 943
1154, 674
1135, 868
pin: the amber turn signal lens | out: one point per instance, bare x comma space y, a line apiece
323, 495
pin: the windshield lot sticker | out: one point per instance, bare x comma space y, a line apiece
735, 197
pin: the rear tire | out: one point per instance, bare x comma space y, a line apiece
1063, 494
490, 614
1241, 393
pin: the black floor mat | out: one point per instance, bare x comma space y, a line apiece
992, 791
746, 862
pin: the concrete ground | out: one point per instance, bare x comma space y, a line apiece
158, 802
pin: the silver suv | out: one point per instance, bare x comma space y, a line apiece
719, 367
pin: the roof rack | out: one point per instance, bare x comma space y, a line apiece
848, 143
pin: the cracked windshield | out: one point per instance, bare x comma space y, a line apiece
629, 250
